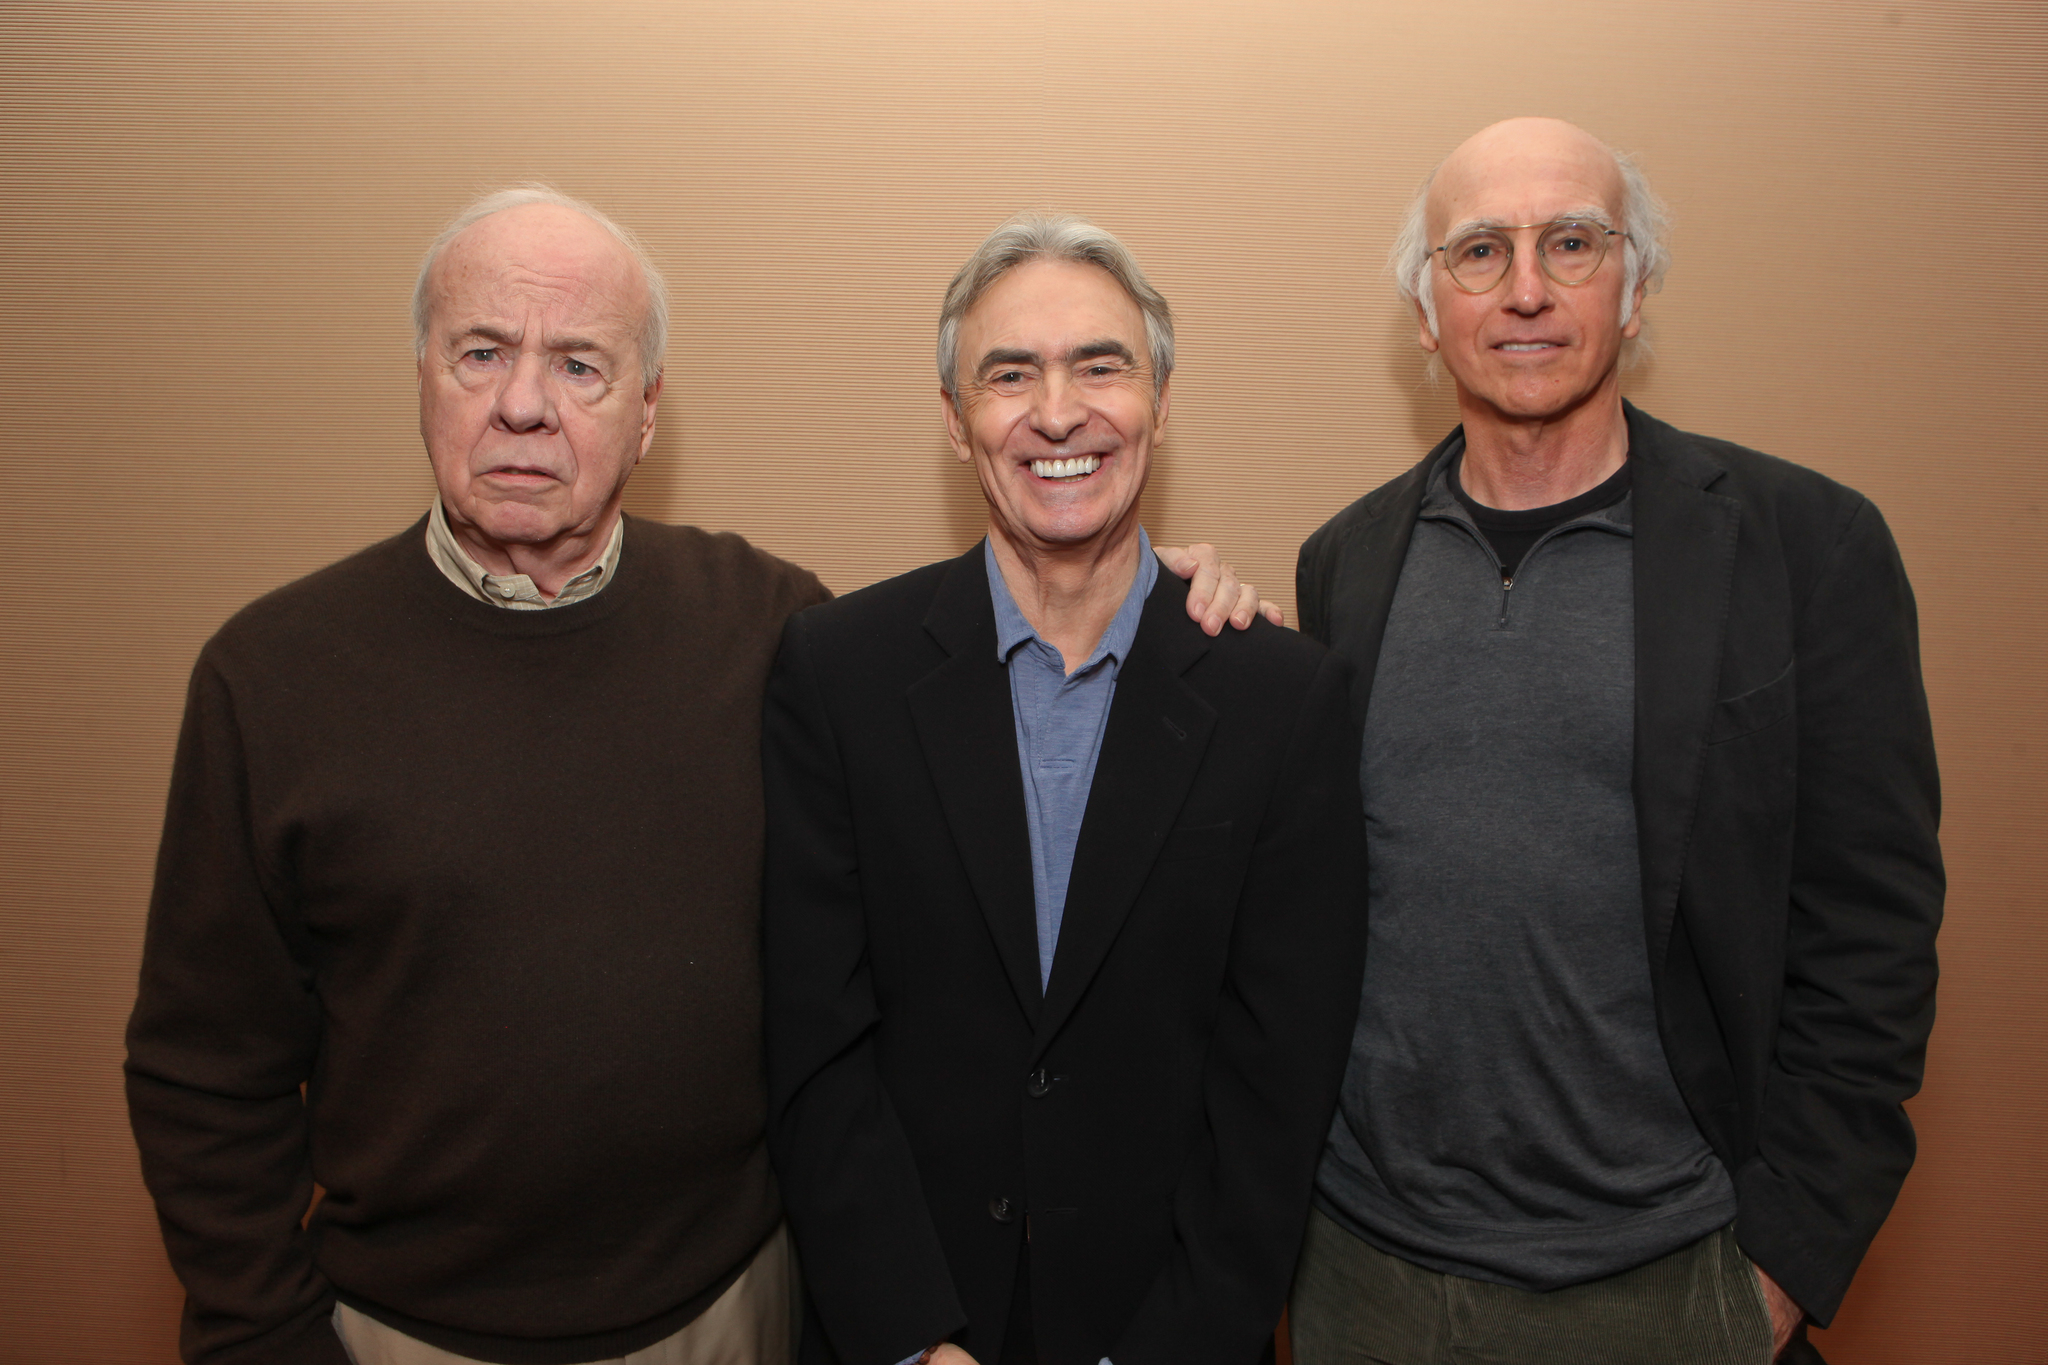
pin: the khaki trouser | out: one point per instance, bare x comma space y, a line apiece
1355, 1305
754, 1322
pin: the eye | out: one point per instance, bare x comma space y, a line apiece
1007, 379
1476, 249
576, 369
481, 355
1102, 369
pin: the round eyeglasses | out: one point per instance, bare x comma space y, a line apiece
1570, 250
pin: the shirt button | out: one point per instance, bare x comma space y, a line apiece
1002, 1210
1038, 1084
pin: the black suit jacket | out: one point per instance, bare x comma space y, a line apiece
1151, 1125
1786, 808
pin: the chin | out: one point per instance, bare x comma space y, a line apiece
521, 530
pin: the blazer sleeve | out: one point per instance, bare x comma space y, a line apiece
874, 1267
1276, 1057
1834, 1141
224, 1032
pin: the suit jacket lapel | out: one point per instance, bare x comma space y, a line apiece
1153, 744
1684, 550
1369, 570
967, 729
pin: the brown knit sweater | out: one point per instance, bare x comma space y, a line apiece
485, 884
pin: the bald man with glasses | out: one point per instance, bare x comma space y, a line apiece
1651, 805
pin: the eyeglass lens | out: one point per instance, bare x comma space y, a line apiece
1570, 253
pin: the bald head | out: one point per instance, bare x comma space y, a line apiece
541, 251
518, 229
1500, 173
1512, 164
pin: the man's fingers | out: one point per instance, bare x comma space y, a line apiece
1785, 1313
1210, 581
1215, 595
1246, 608
1250, 606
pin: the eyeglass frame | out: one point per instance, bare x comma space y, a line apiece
1541, 259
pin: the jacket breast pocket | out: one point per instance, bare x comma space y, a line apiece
1195, 841
1754, 710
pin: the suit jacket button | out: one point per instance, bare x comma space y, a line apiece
1038, 1084
1002, 1210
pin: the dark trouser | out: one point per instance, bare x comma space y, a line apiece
1355, 1305
1020, 1344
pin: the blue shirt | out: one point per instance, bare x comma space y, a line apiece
1060, 720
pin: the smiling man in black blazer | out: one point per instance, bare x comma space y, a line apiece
1064, 907
1652, 802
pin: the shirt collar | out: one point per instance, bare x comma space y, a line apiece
1013, 630
514, 591
1441, 504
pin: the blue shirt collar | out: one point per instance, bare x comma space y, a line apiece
1013, 630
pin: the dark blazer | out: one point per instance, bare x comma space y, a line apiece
1786, 808
1151, 1125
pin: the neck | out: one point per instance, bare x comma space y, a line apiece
549, 563
1069, 593
1514, 462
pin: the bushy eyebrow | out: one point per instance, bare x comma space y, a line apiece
1095, 350
1087, 350
499, 336
485, 332
1007, 356
1569, 216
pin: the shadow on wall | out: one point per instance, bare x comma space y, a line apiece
960, 500
1432, 404
656, 485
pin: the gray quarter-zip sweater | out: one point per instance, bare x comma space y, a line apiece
1508, 1113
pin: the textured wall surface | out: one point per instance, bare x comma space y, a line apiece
214, 212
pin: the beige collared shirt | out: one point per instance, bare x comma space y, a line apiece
515, 591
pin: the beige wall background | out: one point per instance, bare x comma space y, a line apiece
213, 214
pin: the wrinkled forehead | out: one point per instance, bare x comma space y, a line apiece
539, 256
1529, 179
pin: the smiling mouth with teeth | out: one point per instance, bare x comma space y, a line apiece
1077, 468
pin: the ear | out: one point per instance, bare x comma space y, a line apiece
956, 428
1162, 407
1424, 338
649, 398
1634, 324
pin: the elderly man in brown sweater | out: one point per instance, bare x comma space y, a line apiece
456, 912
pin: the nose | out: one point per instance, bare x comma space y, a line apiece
1058, 410
1528, 288
526, 401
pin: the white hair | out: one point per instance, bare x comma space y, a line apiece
1645, 251
1039, 236
653, 337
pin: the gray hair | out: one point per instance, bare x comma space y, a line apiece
653, 336
1645, 252
1038, 236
